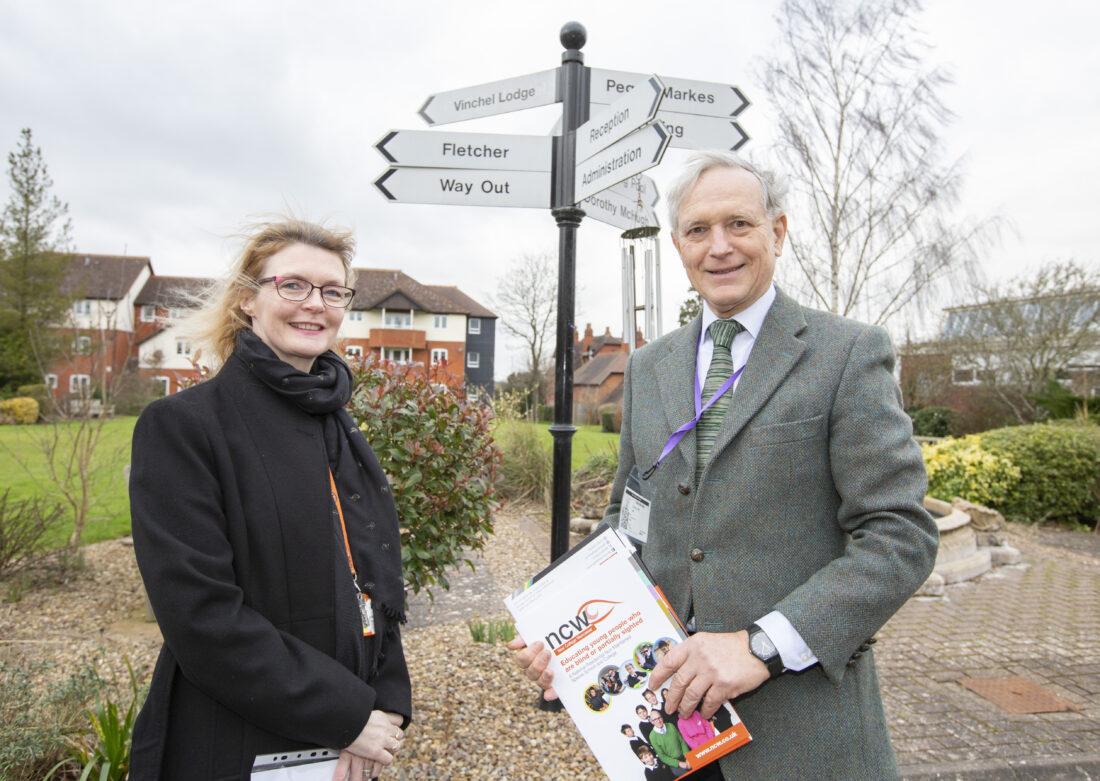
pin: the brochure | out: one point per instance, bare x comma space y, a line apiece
607, 625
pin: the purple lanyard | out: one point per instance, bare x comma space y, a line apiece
700, 408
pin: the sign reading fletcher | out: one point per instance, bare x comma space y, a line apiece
495, 97
462, 150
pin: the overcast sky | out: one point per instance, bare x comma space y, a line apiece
167, 127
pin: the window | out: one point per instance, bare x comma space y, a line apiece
963, 377
175, 313
473, 326
51, 381
355, 317
399, 319
473, 360
183, 347
82, 345
79, 383
397, 354
472, 393
82, 307
441, 321
148, 314
439, 355
161, 385
353, 351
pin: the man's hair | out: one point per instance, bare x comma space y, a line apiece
771, 186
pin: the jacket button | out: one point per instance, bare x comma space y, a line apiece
697, 554
684, 488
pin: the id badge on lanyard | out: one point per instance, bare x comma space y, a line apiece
634, 508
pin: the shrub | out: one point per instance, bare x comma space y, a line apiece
528, 464
24, 529
546, 413
961, 467
35, 719
611, 418
40, 393
22, 410
601, 465
1060, 470
491, 631
104, 750
442, 464
932, 421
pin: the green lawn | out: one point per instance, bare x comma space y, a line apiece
587, 441
23, 472
20, 451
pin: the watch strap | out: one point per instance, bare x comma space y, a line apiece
774, 662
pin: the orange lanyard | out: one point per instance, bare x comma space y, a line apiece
344, 529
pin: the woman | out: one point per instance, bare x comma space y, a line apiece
267, 537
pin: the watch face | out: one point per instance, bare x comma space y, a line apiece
762, 646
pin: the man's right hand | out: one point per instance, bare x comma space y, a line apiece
534, 661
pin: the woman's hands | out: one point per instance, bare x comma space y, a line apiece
372, 750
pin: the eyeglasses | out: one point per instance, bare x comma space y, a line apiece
295, 289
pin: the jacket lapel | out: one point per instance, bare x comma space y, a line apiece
774, 355
676, 384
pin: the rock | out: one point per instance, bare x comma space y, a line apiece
582, 525
982, 518
1004, 554
933, 587
590, 502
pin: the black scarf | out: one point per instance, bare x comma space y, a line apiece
366, 501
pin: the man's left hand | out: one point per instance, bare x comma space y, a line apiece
706, 670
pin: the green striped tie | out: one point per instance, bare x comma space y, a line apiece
721, 367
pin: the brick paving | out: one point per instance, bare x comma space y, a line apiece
1039, 620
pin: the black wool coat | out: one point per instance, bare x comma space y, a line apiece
234, 538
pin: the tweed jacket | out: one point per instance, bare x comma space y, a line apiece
812, 504
234, 538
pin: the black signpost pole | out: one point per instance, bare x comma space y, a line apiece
574, 98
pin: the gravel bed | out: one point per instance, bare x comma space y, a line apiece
475, 716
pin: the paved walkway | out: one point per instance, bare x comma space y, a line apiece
1038, 620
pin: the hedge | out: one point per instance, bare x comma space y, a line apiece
1045, 471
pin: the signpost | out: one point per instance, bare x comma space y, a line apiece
587, 166
619, 212
466, 187
691, 131
638, 152
462, 150
620, 119
496, 97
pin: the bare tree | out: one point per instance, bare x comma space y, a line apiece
1029, 332
526, 301
859, 121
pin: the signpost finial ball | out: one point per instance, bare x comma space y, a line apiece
573, 35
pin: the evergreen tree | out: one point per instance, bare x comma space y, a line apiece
34, 232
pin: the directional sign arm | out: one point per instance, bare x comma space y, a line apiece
380, 183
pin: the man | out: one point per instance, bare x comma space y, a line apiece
669, 744
786, 529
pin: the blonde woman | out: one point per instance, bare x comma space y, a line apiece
267, 536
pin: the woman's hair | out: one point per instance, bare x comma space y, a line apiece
217, 317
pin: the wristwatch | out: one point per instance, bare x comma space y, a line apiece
764, 649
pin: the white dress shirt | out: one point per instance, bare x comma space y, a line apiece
792, 648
